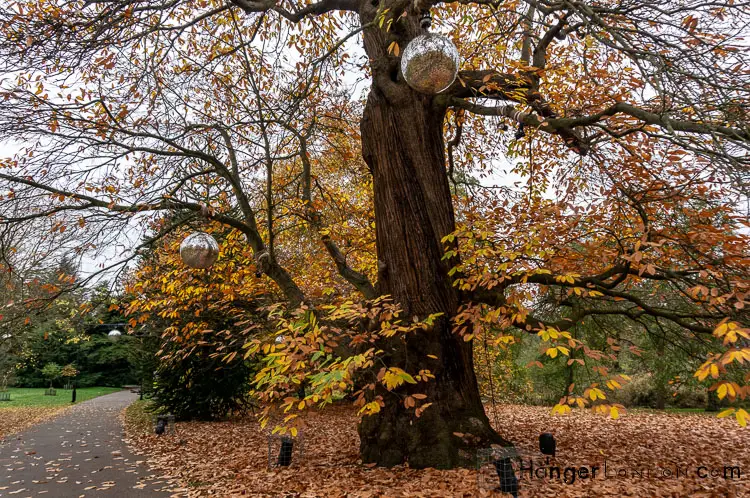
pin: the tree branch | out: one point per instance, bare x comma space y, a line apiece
314, 9
357, 279
489, 84
571, 138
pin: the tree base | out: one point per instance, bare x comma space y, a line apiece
438, 439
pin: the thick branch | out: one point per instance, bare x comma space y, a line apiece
489, 84
652, 118
314, 9
556, 127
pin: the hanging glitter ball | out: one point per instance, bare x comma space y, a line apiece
429, 62
199, 250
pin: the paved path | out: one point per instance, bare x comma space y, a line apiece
78, 454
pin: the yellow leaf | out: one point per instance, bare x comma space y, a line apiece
613, 384
614, 413
742, 417
702, 372
714, 371
370, 408
561, 409
726, 413
293, 430
391, 379
595, 393
721, 329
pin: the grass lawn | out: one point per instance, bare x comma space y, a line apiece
22, 397
674, 411
30, 406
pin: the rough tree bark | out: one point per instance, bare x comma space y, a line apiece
402, 141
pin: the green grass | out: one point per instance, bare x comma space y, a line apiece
688, 410
23, 397
675, 411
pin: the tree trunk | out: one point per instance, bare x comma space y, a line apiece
660, 375
712, 402
402, 141
661, 397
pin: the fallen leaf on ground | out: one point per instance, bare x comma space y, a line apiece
231, 458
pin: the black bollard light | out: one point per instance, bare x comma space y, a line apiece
285, 453
73, 398
547, 444
161, 425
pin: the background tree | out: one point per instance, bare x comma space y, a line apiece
52, 372
69, 371
632, 143
8, 363
60, 326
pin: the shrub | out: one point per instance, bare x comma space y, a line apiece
690, 396
638, 392
201, 387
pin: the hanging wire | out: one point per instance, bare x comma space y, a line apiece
205, 282
425, 20
492, 383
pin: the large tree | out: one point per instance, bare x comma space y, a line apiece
632, 138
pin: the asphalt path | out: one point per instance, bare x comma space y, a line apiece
78, 454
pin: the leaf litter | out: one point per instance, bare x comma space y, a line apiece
647, 454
